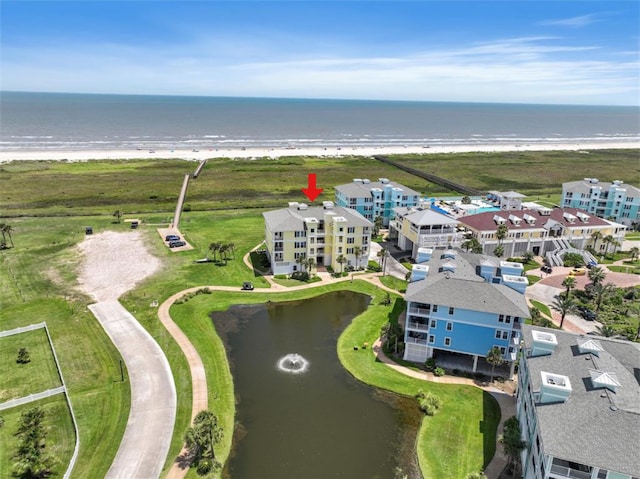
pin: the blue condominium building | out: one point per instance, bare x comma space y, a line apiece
375, 198
614, 201
465, 304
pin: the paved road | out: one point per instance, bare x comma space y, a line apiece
147, 438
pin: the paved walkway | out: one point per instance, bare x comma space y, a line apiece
147, 437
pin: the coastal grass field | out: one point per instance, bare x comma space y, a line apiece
49, 204
145, 186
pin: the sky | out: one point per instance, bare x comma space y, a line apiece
507, 51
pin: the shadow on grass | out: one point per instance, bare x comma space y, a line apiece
489, 426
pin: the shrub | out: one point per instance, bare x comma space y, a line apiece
429, 403
23, 356
438, 372
430, 364
280, 276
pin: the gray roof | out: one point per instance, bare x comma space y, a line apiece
464, 288
363, 190
594, 426
292, 219
583, 186
424, 217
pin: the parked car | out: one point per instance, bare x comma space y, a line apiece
578, 272
546, 269
176, 244
587, 314
172, 238
247, 286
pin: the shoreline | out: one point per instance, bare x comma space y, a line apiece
267, 152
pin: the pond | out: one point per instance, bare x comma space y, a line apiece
300, 414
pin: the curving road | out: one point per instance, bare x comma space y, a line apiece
147, 437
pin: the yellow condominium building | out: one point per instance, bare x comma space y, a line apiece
327, 235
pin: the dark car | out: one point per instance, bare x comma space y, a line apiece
172, 238
546, 269
247, 286
176, 244
587, 314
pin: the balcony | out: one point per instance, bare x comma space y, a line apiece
422, 342
422, 311
278, 248
418, 325
562, 471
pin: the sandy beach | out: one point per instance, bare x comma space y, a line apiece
248, 153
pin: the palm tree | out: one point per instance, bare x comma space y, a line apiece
378, 223
569, 282
595, 236
607, 331
117, 214
4, 239
501, 233
494, 357
341, 260
634, 252
564, 306
535, 314
223, 252
301, 260
201, 438
357, 251
383, 254
528, 256
499, 251
602, 291
607, 240
232, 247
597, 275
311, 263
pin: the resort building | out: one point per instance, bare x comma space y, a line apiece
578, 404
506, 201
329, 235
615, 201
464, 304
544, 231
419, 227
375, 198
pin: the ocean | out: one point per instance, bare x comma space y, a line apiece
60, 121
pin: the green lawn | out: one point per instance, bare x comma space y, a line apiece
60, 439
392, 282
18, 380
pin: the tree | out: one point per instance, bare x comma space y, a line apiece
569, 282
501, 233
201, 439
23, 356
472, 244
607, 331
7, 229
341, 260
494, 357
563, 305
32, 459
465, 200
596, 275
634, 252
117, 214
357, 251
214, 247
223, 252
301, 259
528, 256
378, 223
511, 440
311, 263
383, 254
595, 236
499, 251
602, 291
4, 239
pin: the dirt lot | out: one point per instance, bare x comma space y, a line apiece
113, 263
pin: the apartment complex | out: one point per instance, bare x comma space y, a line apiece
465, 304
615, 201
326, 234
578, 404
545, 231
375, 198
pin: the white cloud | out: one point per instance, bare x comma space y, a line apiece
574, 22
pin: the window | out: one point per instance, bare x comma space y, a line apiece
351, 229
450, 309
341, 229
503, 350
447, 341
435, 308
312, 251
349, 250
312, 240
508, 320
300, 234
505, 334
498, 334
340, 250
501, 318
340, 239
351, 240
449, 326
432, 339
434, 323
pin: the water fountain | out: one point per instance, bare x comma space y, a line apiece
293, 363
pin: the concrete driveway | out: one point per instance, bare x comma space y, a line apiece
147, 438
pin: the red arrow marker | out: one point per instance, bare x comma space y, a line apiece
311, 191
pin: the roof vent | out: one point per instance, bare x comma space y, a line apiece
327, 205
366, 181
592, 346
530, 219
569, 217
515, 220
451, 254
499, 219
383, 180
357, 180
302, 206
543, 343
601, 379
448, 266
582, 216
545, 211
293, 204
554, 387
